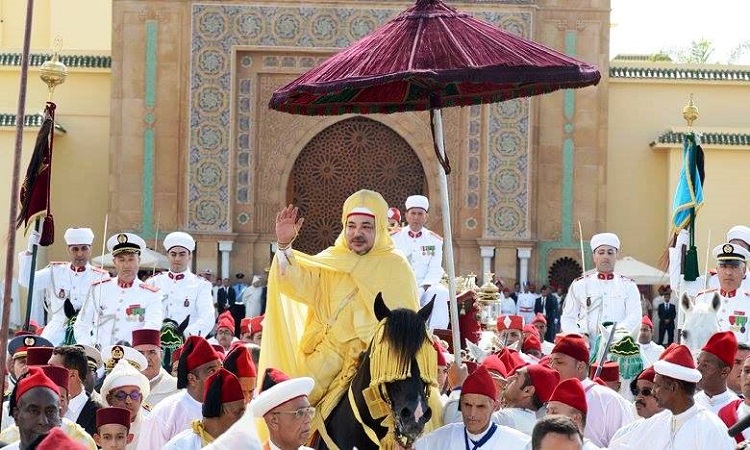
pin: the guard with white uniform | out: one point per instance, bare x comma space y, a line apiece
424, 251
60, 281
117, 306
602, 295
184, 293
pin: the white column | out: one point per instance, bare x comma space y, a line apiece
524, 254
225, 247
487, 252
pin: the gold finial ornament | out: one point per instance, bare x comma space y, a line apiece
690, 112
53, 72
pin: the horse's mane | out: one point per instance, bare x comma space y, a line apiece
404, 331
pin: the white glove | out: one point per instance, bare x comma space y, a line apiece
34, 238
683, 238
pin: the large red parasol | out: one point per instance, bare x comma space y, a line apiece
429, 57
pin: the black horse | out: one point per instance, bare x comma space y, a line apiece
172, 337
405, 400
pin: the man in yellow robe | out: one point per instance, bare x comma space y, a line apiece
332, 294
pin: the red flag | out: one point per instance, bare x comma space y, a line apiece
35, 192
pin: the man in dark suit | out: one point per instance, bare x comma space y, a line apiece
667, 314
225, 296
548, 305
81, 408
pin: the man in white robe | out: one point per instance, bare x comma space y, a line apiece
477, 431
198, 361
684, 424
223, 405
528, 389
284, 406
161, 383
608, 411
569, 399
715, 362
650, 350
126, 387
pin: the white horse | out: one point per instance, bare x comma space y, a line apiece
700, 322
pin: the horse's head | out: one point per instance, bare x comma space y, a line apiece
403, 366
701, 321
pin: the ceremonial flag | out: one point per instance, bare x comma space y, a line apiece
688, 198
35, 192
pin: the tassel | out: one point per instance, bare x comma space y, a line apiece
48, 231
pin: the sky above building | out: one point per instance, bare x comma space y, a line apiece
650, 26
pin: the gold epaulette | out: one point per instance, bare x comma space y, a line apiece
101, 281
435, 235
148, 287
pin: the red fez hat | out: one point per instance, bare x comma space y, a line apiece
571, 393
509, 323
600, 382
646, 321
56, 439
225, 320
573, 346
531, 343
256, 324
59, 375
530, 328
471, 366
145, 336
610, 371
723, 345
544, 379
440, 356
545, 360
199, 352
245, 325
239, 362
34, 378
493, 363
511, 359
38, 356
668, 350
539, 318
394, 214
678, 363
647, 374
113, 415
480, 382
221, 387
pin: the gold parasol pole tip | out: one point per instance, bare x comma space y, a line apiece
53, 72
690, 112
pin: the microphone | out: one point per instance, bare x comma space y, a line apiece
739, 427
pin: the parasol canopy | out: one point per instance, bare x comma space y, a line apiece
431, 56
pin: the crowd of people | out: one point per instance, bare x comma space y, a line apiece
101, 372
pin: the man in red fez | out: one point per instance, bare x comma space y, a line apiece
198, 361
715, 362
529, 388
568, 399
509, 329
239, 363
608, 410
609, 375
113, 428
478, 431
224, 331
649, 349
35, 406
643, 392
162, 384
223, 405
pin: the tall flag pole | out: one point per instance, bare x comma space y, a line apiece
688, 197
11, 249
36, 188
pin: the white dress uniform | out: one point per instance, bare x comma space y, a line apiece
114, 309
734, 312
424, 251
454, 436
52, 285
597, 298
696, 429
526, 301
186, 294
170, 417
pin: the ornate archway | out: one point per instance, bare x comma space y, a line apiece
353, 154
563, 272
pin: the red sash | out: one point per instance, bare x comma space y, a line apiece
728, 415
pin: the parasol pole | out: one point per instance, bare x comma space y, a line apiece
156, 244
437, 121
11, 250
